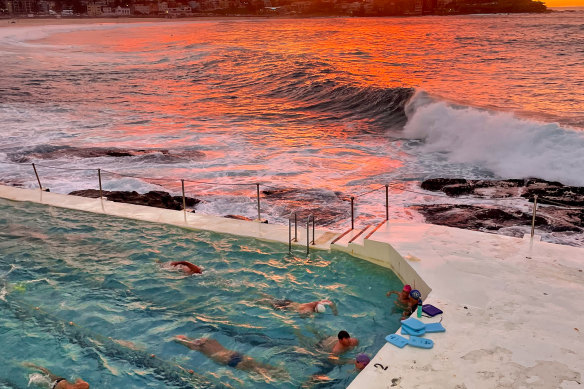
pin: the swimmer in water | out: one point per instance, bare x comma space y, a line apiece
59, 382
215, 351
304, 309
187, 267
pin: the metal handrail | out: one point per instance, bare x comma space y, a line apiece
295, 239
352, 198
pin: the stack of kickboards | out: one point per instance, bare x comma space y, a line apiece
415, 329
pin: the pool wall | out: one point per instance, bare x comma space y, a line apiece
513, 307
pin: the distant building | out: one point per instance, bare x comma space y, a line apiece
94, 10
122, 11
142, 9
20, 7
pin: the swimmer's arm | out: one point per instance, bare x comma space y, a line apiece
52, 377
333, 307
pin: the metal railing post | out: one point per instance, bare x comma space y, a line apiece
99, 178
533, 217
37, 176
386, 202
258, 191
313, 229
352, 213
182, 182
295, 228
289, 234
308, 235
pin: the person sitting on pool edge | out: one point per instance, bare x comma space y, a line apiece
404, 301
187, 267
59, 382
215, 351
304, 309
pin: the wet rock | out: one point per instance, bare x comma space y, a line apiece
548, 192
48, 152
158, 199
475, 217
488, 217
327, 207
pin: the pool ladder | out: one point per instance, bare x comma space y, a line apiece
294, 217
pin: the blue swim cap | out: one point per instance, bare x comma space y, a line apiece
415, 294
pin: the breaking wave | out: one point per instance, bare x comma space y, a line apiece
508, 146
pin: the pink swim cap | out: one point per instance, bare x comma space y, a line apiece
407, 288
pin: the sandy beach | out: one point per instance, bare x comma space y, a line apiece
49, 21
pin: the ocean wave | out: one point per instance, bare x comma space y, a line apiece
508, 146
384, 107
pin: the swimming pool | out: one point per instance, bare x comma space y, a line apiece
90, 296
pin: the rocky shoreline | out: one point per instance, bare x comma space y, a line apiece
560, 207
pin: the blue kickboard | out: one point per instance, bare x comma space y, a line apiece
397, 340
435, 327
414, 324
408, 331
421, 342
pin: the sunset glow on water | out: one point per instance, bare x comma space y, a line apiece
324, 108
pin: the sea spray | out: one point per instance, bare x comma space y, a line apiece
500, 142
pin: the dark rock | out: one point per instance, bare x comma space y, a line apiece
475, 217
458, 189
56, 152
158, 199
434, 184
483, 217
548, 192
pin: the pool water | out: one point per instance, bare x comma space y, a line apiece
91, 296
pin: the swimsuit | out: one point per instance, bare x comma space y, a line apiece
235, 359
56, 382
281, 304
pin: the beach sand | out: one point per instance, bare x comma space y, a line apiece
48, 21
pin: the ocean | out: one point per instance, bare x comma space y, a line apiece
315, 110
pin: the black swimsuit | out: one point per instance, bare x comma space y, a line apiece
56, 382
281, 304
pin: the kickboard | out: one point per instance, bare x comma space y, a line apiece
408, 331
431, 310
420, 342
397, 340
435, 327
414, 324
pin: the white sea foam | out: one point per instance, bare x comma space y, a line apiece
500, 142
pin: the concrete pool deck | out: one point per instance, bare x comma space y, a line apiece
513, 308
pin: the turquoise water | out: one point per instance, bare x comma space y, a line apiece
108, 277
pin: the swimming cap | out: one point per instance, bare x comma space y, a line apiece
415, 293
363, 358
320, 308
407, 288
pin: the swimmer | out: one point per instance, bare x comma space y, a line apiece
216, 352
337, 346
304, 309
404, 301
59, 382
361, 361
187, 267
